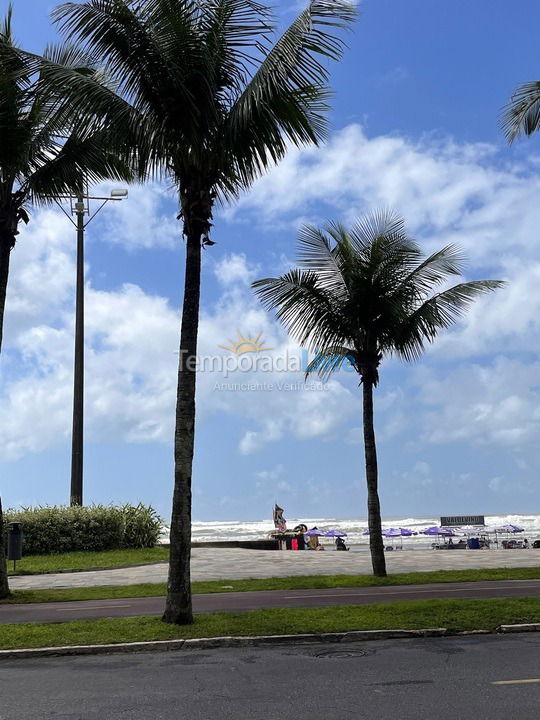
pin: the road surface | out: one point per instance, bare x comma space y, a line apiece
236, 601
480, 678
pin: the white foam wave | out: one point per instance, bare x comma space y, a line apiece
222, 531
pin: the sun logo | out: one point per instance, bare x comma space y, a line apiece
245, 344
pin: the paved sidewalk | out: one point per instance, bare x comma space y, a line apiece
235, 563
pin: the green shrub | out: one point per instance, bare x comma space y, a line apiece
61, 529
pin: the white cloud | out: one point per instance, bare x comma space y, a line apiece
42, 273
131, 357
234, 268
446, 191
146, 219
273, 474
495, 403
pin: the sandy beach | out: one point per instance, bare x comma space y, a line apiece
235, 563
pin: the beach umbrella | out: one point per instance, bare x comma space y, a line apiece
335, 533
446, 532
510, 529
395, 532
314, 531
392, 532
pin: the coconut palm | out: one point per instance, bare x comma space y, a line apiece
4, 585
359, 296
213, 99
42, 155
522, 114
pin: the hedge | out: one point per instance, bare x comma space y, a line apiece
61, 529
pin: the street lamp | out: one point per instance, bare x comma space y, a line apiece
80, 207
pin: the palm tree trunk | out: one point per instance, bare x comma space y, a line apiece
376, 546
178, 607
4, 586
5, 252
6, 244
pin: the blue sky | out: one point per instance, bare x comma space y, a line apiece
414, 126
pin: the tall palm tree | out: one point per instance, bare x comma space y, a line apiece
42, 155
359, 296
4, 584
214, 100
522, 114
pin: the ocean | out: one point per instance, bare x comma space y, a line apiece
259, 529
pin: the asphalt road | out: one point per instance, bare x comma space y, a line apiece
231, 601
470, 678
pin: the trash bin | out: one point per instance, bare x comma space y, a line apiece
473, 543
15, 538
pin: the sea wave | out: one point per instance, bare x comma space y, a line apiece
228, 530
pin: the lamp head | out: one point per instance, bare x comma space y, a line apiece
119, 193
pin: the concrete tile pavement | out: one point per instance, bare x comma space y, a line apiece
235, 563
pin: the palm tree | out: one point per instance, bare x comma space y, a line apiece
359, 296
4, 584
522, 113
213, 102
42, 155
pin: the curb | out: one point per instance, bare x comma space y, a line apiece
252, 641
525, 627
221, 642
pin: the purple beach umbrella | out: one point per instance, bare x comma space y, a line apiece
335, 533
391, 532
510, 529
446, 532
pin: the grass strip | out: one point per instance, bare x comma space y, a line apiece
108, 559
309, 582
456, 615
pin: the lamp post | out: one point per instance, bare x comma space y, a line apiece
80, 207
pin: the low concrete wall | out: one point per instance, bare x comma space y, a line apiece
244, 544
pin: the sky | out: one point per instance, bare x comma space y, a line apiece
415, 127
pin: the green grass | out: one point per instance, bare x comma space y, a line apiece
64, 562
456, 615
308, 582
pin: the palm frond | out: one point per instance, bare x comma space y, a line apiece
154, 53
436, 268
92, 158
286, 99
328, 361
368, 289
522, 114
84, 96
235, 34
6, 25
316, 253
437, 313
304, 307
